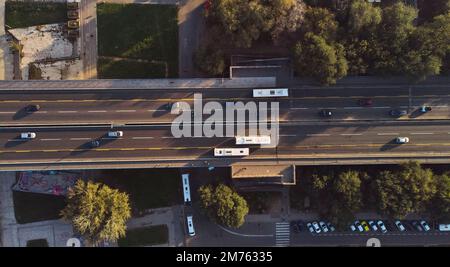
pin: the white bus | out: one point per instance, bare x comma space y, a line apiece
277, 92
190, 225
186, 189
253, 140
227, 152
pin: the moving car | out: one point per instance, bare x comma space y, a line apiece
115, 134
365, 102
324, 227
425, 109
326, 113
28, 135
402, 140
397, 113
400, 226
365, 226
316, 227
373, 225
382, 227
425, 226
32, 108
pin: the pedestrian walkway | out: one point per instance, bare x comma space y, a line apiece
282, 234
6, 59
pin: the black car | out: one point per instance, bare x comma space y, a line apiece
94, 143
32, 108
326, 113
425, 109
416, 225
397, 113
294, 227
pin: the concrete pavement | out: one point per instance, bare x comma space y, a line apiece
6, 59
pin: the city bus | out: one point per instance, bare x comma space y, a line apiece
277, 92
231, 152
253, 140
186, 189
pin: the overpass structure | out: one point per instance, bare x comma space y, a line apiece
73, 113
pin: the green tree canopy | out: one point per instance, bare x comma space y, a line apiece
328, 60
223, 205
363, 16
440, 203
404, 191
97, 212
320, 22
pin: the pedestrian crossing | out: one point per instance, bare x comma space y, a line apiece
282, 234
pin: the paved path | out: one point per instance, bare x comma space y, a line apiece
88, 36
6, 59
7, 218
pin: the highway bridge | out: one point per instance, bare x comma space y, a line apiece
72, 114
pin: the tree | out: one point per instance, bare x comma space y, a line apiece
404, 191
320, 22
223, 205
440, 203
97, 212
328, 60
210, 59
285, 16
363, 16
347, 188
430, 9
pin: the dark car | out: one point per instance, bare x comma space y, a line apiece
425, 109
94, 143
365, 102
326, 113
32, 108
397, 113
416, 225
294, 227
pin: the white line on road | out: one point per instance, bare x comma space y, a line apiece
15, 140
125, 111
351, 134
97, 111
420, 133
51, 139
244, 235
142, 137
353, 107
67, 111
317, 135
7, 112
288, 135
300, 108
387, 133
79, 139
381, 107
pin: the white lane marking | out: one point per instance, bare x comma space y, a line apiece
97, 111
44, 112
388, 134
154, 110
300, 108
112, 138
79, 139
67, 111
15, 140
142, 138
313, 135
351, 134
353, 107
420, 133
381, 107
125, 111
51, 139
168, 137
287, 135
7, 112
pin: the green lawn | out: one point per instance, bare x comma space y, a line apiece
32, 207
148, 188
122, 69
25, 14
147, 32
153, 235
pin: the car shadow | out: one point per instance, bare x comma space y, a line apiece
415, 114
390, 145
21, 113
17, 141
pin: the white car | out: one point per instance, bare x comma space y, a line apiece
310, 228
359, 226
316, 227
373, 225
28, 135
331, 227
425, 226
402, 140
400, 226
115, 134
382, 227
353, 228
324, 226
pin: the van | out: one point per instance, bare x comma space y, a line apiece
190, 225
444, 227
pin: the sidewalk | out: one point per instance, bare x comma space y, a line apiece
6, 59
8, 222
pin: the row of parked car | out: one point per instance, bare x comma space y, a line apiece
316, 227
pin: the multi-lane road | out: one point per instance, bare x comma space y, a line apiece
69, 119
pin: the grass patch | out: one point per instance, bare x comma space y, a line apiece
152, 188
153, 235
26, 14
123, 69
33, 207
259, 202
147, 32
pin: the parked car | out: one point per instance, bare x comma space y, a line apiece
382, 226
73, 24
73, 14
32, 108
402, 140
352, 228
444, 227
397, 113
310, 228
425, 109
326, 113
316, 227
400, 226
28, 135
425, 226
73, 4
417, 226
373, 225
331, 227
365, 225
365, 102
359, 226
324, 227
